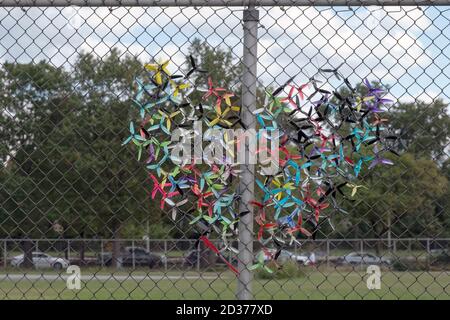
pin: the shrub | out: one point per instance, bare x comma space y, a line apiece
408, 264
289, 270
442, 259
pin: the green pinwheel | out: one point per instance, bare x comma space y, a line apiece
260, 262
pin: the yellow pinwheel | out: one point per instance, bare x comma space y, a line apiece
360, 101
227, 98
282, 187
168, 117
221, 116
178, 86
162, 121
355, 188
158, 69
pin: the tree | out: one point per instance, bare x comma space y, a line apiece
219, 63
423, 127
64, 150
29, 95
406, 193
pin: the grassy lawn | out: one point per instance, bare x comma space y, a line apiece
316, 285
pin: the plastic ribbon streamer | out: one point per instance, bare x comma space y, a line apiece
328, 135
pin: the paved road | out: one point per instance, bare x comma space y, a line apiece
100, 277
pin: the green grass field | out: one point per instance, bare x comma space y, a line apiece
316, 285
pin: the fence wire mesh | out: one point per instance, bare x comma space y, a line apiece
71, 194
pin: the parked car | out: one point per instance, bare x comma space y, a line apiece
363, 258
190, 259
41, 260
140, 255
289, 256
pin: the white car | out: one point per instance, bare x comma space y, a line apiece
286, 256
363, 258
42, 260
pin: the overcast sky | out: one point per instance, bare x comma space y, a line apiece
406, 47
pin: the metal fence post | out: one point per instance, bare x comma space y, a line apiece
5, 253
165, 255
68, 250
198, 257
132, 254
328, 253
246, 183
102, 259
361, 244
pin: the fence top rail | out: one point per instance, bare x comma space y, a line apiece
217, 3
191, 240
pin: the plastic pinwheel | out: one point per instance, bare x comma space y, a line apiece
273, 103
134, 137
220, 117
159, 69
261, 259
212, 90
355, 188
378, 159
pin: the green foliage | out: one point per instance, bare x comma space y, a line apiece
423, 127
403, 194
68, 162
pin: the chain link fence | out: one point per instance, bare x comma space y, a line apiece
72, 194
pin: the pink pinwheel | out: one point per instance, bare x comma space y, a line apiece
290, 98
263, 225
261, 218
299, 227
315, 205
212, 91
159, 187
201, 199
300, 90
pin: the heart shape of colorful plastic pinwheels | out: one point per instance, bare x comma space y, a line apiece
326, 137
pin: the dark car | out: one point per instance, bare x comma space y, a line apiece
140, 256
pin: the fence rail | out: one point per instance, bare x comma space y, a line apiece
218, 3
180, 248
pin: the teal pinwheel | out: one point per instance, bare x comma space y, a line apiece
359, 163
134, 136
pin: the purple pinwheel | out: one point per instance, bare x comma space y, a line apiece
378, 159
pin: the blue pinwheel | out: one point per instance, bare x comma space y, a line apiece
296, 176
133, 136
359, 163
180, 184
